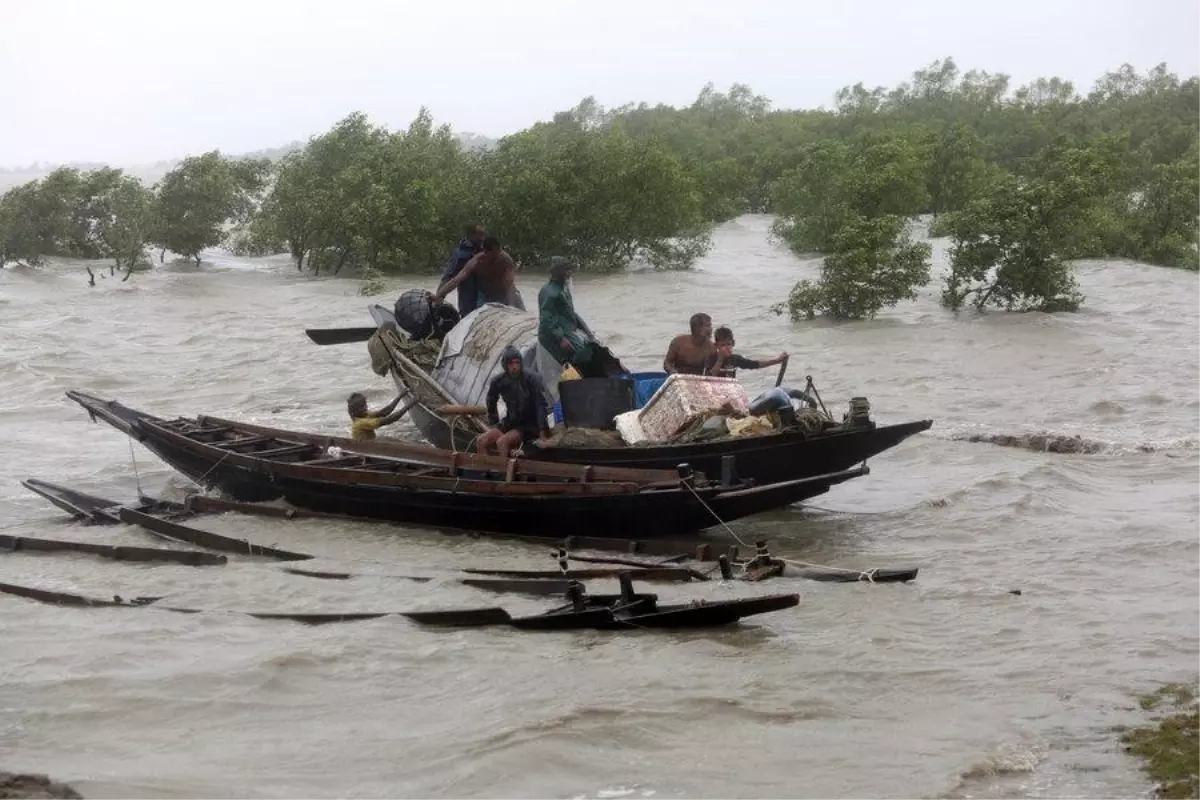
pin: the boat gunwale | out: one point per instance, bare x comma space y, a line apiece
348, 475
436, 457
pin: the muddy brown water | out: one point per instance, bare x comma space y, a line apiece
948, 687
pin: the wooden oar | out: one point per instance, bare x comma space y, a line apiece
339, 335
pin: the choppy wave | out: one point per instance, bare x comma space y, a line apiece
1100, 537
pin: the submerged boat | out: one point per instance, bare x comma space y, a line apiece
92, 510
449, 378
421, 485
626, 610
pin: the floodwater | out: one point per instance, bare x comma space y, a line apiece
948, 687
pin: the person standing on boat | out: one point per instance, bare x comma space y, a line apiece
525, 409
495, 273
724, 363
561, 331
364, 423
688, 353
467, 248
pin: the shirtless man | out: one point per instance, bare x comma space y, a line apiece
495, 272
688, 353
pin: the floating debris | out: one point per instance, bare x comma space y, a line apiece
1039, 442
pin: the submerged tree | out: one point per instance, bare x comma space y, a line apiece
602, 196
873, 265
197, 198
841, 183
126, 227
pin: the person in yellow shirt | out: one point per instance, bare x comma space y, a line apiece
363, 423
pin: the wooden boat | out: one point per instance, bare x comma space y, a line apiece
624, 611
434, 488
173, 531
627, 610
194, 558
458, 379
93, 510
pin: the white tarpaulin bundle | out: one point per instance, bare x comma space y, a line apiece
471, 352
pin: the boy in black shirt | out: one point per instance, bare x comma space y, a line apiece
724, 363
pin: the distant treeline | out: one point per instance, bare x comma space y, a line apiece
1021, 180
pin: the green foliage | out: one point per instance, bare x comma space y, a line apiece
260, 236
1158, 222
601, 195
372, 284
873, 265
1170, 747
22, 228
1010, 247
197, 199
126, 224
836, 183
644, 184
361, 195
71, 213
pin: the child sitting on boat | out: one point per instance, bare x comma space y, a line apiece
364, 423
724, 363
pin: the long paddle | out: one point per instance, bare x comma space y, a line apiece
339, 335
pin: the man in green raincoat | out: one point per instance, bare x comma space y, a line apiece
561, 331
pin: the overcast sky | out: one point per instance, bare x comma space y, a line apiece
131, 82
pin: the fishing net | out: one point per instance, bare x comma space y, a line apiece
423, 353
585, 437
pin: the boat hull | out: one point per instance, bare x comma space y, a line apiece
651, 514
772, 458
766, 459
598, 512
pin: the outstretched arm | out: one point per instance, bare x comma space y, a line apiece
383, 412
395, 416
750, 363
452, 284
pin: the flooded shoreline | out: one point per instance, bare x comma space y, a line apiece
948, 687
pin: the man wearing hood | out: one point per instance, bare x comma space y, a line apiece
525, 410
561, 331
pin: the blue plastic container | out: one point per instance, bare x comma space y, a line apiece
645, 384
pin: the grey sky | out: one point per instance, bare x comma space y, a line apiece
131, 82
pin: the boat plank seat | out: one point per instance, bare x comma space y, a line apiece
208, 431
527, 466
291, 449
245, 441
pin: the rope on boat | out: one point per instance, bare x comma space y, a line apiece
715, 515
868, 575
133, 460
214, 466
